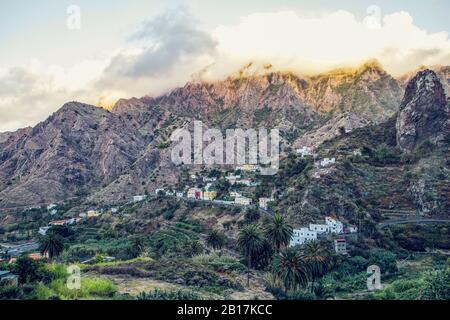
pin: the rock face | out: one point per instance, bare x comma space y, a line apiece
368, 91
423, 113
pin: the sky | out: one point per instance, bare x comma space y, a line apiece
99, 51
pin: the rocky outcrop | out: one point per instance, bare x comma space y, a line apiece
424, 112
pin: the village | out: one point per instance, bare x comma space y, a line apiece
202, 189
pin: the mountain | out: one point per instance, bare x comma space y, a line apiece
400, 164
75, 149
424, 114
367, 91
106, 156
443, 73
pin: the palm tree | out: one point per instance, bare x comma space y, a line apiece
52, 244
279, 231
192, 248
136, 247
317, 256
251, 242
291, 269
360, 214
215, 239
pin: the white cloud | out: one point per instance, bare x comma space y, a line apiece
290, 41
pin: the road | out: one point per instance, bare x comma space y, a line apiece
388, 223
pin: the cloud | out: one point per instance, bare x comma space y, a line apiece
163, 53
306, 44
26, 97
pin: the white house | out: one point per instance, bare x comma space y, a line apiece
180, 194
193, 176
114, 210
243, 201
319, 228
300, 236
304, 151
43, 230
351, 229
248, 167
334, 225
235, 194
139, 198
327, 162
53, 212
340, 246
264, 202
92, 214
357, 153
232, 179
195, 193
245, 182
207, 179
158, 191
51, 206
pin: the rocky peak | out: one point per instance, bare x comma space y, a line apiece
424, 113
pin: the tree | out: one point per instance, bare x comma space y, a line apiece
251, 242
436, 286
360, 214
291, 269
28, 270
192, 248
136, 247
252, 215
215, 239
53, 245
318, 257
279, 231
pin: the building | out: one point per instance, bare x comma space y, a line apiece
302, 235
232, 179
195, 193
327, 162
193, 176
57, 223
235, 194
114, 210
53, 212
340, 246
243, 201
357, 153
335, 226
180, 194
170, 193
8, 278
43, 230
93, 214
351, 229
319, 228
247, 182
264, 202
248, 167
207, 179
82, 215
304, 151
209, 195
139, 198
51, 206
159, 191
37, 256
